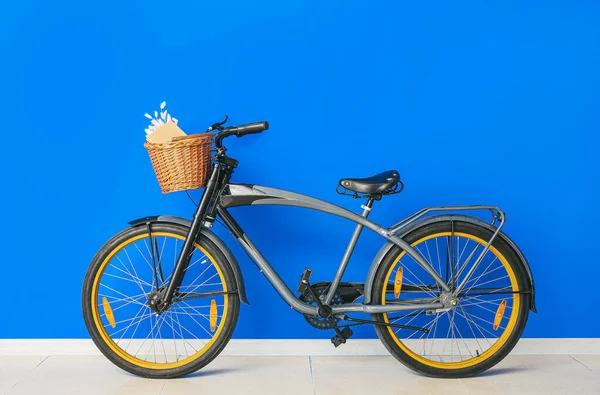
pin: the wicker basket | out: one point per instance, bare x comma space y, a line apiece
182, 164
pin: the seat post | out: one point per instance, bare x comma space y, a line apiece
367, 207
340, 272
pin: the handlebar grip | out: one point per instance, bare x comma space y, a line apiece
250, 128
241, 130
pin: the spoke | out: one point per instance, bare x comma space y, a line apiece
482, 301
153, 257
463, 251
189, 266
477, 325
470, 321
115, 291
140, 318
122, 278
133, 266
153, 340
205, 282
422, 333
194, 280
181, 327
162, 249
183, 338
488, 273
146, 339
430, 293
448, 264
126, 320
446, 342
455, 248
484, 320
123, 305
490, 281
174, 341
126, 271
141, 310
143, 256
481, 307
464, 265
428, 334
114, 299
203, 306
409, 321
132, 335
460, 334
428, 253
188, 331
473, 332
199, 324
451, 322
159, 334
185, 313
481, 275
437, 319
437, 247
180, 333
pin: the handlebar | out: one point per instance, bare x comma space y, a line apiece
240, 131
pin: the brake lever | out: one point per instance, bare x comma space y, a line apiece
218, 125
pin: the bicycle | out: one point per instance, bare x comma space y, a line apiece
463, 319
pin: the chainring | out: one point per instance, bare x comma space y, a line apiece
315, 320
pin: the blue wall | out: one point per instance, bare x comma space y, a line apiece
471, 102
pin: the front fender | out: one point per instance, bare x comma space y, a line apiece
235, 267
438, 218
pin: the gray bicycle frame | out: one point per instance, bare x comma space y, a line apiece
234, 195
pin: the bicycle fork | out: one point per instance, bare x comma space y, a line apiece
165, 297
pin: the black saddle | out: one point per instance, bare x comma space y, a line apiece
380, 184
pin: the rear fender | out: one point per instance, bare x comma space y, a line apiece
235, 267
439, 218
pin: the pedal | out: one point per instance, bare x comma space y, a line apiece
341, 336
304, 280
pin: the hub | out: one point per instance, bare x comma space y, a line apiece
155, 300
449, 302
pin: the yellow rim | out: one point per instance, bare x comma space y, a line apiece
118, 350
497, 345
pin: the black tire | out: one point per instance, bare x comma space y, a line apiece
214, 348
424, 367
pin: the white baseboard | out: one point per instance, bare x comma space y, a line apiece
294, 347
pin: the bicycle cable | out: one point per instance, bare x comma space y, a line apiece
190, 197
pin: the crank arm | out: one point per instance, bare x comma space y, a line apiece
178, 297
360, 321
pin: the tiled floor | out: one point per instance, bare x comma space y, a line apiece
91, 375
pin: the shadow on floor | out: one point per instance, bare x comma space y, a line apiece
210, 372
501, 371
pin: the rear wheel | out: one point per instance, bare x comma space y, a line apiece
490, 312
122, 279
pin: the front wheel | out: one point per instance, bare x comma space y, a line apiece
118, 289
489, 313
